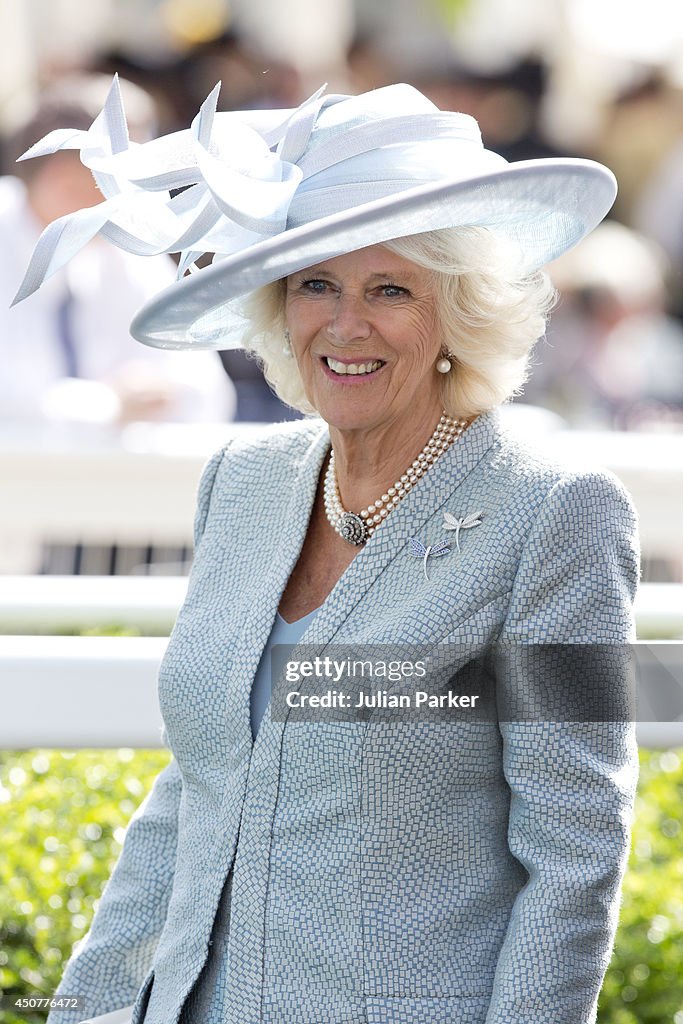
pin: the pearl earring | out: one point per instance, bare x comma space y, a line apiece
443, 365
287, 347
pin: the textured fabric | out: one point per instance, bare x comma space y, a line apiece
380, 872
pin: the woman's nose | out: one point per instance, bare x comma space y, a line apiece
348, 321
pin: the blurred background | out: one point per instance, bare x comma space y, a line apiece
102, 441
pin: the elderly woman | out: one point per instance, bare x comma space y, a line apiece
385, 269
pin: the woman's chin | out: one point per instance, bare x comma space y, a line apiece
350, 419
348, 411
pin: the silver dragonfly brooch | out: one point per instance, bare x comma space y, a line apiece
418, 549
464, 523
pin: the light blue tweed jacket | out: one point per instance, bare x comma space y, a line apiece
411, 873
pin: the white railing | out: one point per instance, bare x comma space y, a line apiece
139, 486
133, 487
50, 604
46, 604
102, 691
80, 691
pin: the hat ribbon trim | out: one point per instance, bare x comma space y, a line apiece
240, 190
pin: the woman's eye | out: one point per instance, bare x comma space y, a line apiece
393, 291
315, 286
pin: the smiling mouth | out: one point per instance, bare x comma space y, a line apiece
352, 369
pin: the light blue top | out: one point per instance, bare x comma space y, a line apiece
288, 634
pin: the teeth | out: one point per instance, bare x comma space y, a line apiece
354, 369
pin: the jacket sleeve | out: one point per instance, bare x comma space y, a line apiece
111, 962
572, 782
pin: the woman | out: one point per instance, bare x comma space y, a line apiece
384, 266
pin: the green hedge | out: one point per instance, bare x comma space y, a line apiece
64, 816
644, 984
63, 823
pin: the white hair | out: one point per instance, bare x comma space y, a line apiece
489, 314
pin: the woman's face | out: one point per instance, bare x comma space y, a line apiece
363, 331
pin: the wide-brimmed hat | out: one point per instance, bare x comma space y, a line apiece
271, 192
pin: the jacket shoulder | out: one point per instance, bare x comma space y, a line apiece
274, 440
522, 466
254, 460
263, 449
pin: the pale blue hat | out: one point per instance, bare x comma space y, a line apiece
270, 192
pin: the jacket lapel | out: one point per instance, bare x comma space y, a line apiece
298, 488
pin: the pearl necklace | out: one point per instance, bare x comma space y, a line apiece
357, 529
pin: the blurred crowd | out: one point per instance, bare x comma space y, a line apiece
613, 355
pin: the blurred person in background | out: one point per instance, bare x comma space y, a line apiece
637, 136
613, 358
179, 83
368, 64
507, 104
658, 213
67, 353
256, 402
